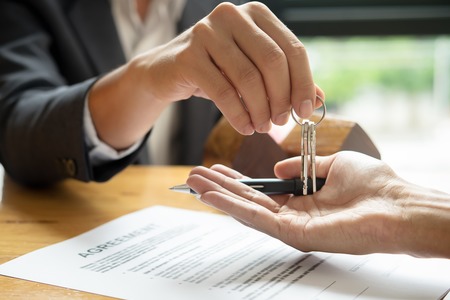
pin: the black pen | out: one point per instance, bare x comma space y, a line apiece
268, 186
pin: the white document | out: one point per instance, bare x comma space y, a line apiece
167, 253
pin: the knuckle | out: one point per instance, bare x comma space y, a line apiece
307, 86
275, 58
257, 7
224, 9
225, 94
260, 116
282, 103
201, 29
249, 76
297, 49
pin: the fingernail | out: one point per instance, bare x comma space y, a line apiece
282, 119
248, 130
306, 109
264, 128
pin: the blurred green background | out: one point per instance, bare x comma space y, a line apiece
395, 83
386, 65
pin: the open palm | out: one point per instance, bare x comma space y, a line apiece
352, 213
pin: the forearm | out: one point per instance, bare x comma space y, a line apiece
426, 222
121, 107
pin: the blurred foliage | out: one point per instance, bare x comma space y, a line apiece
343, 67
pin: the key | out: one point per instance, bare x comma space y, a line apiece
304, 144
308, 155
312, 153
308, 151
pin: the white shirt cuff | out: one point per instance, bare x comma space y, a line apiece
99, 152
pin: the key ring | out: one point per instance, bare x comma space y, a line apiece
298, 120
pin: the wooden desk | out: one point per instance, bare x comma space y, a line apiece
32, 219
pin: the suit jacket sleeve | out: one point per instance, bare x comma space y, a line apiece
41, 108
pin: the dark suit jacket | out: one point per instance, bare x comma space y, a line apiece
51, 52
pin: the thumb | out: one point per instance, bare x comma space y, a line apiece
290, 168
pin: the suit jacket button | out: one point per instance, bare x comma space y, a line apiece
70, 167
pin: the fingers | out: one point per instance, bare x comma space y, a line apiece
245, 77
228, 171
248, 206
303, 92
248, 213
321, 94
290, 168
246, 114
212, 81
258, 37
256, 68
204, 180
253, 63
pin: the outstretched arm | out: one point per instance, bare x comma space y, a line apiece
241, 57
364, 207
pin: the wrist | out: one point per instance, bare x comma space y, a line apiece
424, 222
121, 108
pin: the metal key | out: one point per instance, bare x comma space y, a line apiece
308, 151
308, 155
304, 150
312, 153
